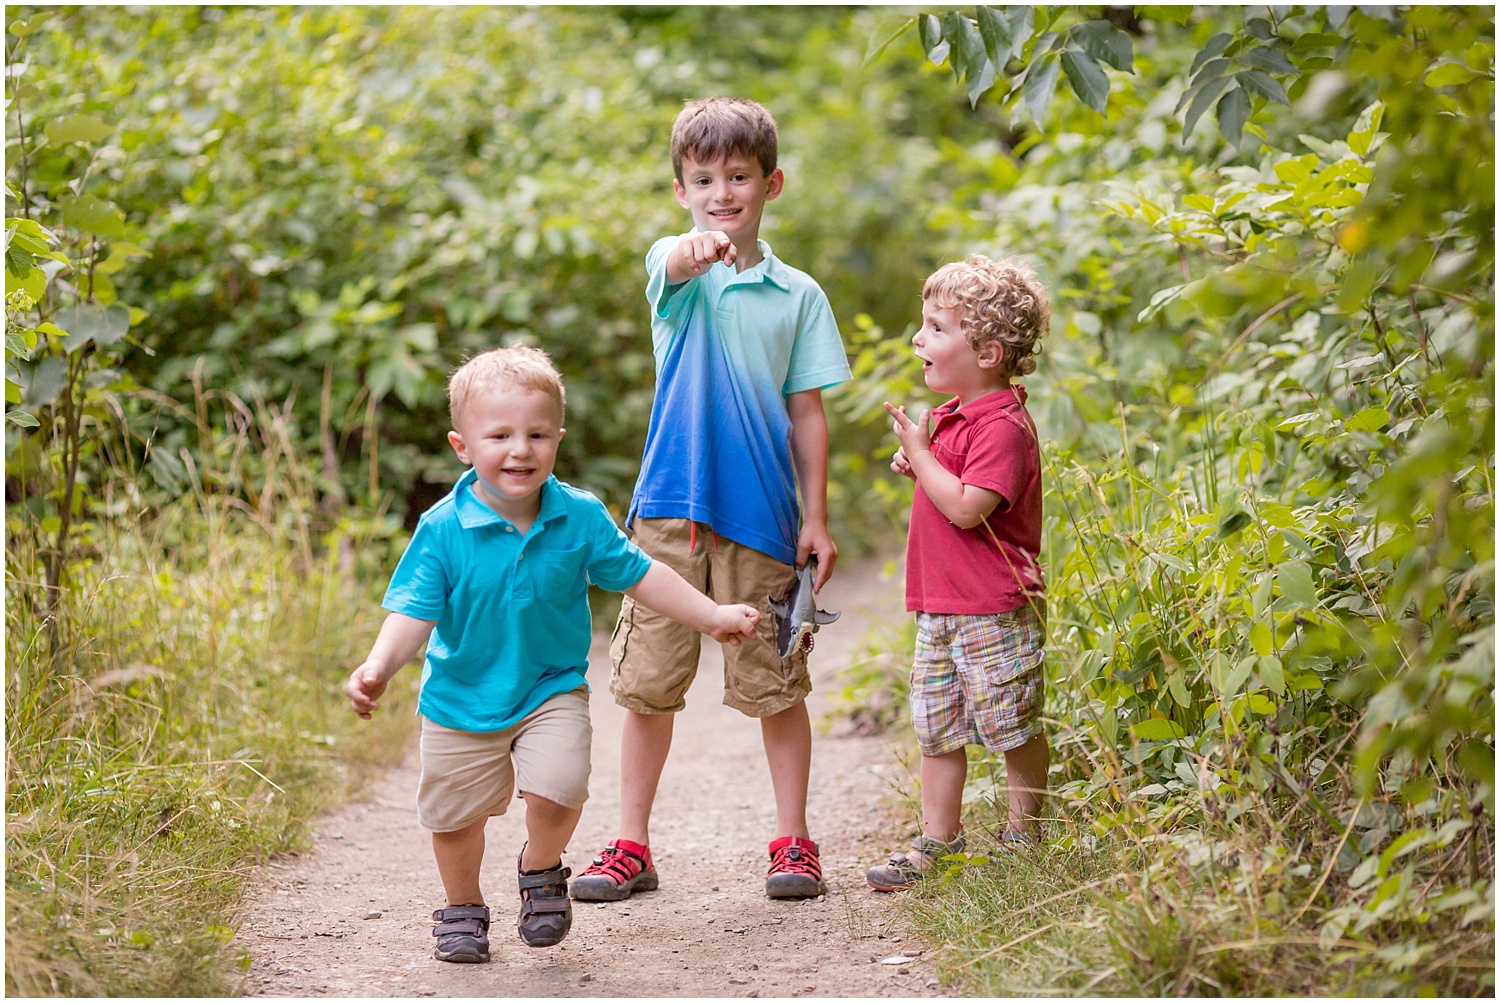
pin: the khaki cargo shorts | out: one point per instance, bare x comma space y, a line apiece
655, 658
470, 775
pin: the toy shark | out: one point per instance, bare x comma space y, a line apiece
798, 616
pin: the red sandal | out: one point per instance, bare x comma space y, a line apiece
795, 872
621, 869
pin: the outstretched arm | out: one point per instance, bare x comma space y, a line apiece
401, 638
810, 457
666, 592
964, 505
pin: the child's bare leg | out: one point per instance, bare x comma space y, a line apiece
943, 794
788, 739
459, 854
1026, 768
645, 740
549, 826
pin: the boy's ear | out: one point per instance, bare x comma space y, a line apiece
990, 355
457, 442
680, 192
774, 184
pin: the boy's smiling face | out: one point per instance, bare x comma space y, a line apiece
727, 195
510, 436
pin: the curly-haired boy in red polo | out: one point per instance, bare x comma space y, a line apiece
972, 575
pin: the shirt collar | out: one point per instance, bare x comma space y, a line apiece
1001, 400
770, 269
474, 513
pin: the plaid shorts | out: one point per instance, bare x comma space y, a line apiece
977, 679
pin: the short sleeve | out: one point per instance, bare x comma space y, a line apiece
818, 358
1003, 457
662, 295
614, 562
421, 583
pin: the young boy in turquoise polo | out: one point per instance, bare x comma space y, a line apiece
744, 345
495, 584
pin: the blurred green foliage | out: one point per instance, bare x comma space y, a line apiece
1267, 401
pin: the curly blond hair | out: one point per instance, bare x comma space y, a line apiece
1001, 301
504, 368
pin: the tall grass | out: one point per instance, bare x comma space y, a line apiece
1208, 832
187, 720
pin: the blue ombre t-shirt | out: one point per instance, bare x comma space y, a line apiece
512, 609
730, 348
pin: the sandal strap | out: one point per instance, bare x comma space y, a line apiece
465, 927
454, 912
549, 878
561, 903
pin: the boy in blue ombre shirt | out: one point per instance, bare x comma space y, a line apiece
495, 584
744, 346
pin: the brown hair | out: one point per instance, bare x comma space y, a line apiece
710, 129
503, 368
999, 301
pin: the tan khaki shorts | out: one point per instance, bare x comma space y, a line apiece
470, 775
655, 658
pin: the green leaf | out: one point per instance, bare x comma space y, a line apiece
952, 22
43, 379
1233, 523
92, 215
1260, 703
1262, 83
87, 322
1087, 79
1041, 84
1157, 729
1106, 43
1177, 686
77, 129
1448, 74
1369, 420
1201, 202
1295, 579
931, 31
1234, 111
1203, 95
1268, 57
1214, 48
21, 418
1268, 667
1173, 13
995, 31
888, 29
1260, 638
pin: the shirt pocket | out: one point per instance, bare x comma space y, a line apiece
559, 574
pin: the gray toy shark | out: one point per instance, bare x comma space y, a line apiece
798, 616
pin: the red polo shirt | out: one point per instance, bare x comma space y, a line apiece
990, 444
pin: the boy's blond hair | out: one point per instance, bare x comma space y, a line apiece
1000, 301
503, 368
710, 129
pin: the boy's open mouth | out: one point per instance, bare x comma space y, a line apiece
722, 213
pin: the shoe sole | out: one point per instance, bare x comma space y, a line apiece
793, 886
589, 889
888, 887
462, 958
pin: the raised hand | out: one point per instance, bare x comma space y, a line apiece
914, 435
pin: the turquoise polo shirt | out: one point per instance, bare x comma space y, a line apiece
512, 609
730, 348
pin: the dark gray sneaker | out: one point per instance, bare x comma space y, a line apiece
906, 869
462, 933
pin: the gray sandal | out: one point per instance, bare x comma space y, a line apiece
463, 933
900, 872
546, 911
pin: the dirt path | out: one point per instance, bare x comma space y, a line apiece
350, 918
